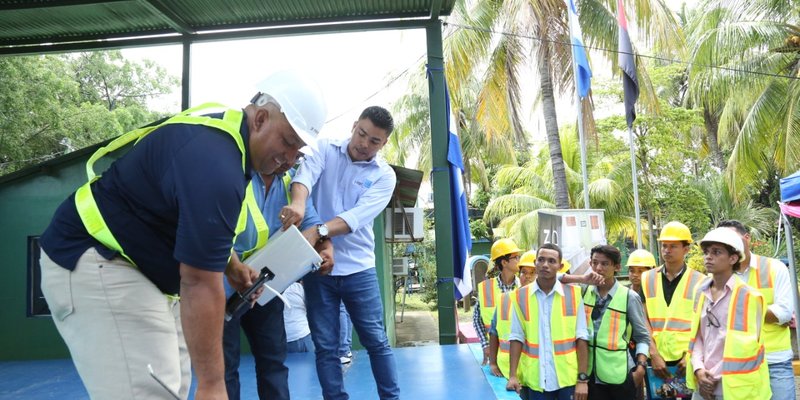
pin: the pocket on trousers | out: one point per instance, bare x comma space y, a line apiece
57, 289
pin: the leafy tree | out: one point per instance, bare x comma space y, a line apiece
55, 104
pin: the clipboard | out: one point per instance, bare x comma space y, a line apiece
289, 256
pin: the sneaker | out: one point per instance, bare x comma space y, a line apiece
345, 359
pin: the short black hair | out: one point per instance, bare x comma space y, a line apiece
379, 117
609, 251
550, 246
732, 223
729, 249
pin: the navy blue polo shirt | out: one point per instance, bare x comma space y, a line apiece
173, 198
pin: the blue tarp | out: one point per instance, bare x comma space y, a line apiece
790, 187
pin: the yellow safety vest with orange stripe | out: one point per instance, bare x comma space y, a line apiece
745, 375
488, 295
762, 278
608, 346
671, 324
503, 326
84, 199
563, 325
257, 216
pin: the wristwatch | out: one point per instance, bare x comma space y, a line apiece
582, 377
643, 364
322, 230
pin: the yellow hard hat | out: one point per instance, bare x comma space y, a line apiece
565, 266
675, 231
503, 247
528, 259
641, 258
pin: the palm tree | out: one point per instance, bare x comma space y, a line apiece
754, 89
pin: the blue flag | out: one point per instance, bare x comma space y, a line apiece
462, 236
584, 74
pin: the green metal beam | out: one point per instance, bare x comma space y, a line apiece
441, 184
166, 39
173, 19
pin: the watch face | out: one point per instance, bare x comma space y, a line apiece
583, 377
322, 230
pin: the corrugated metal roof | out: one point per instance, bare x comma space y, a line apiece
59, 22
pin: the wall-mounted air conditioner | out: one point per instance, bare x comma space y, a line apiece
400, 266
398, 230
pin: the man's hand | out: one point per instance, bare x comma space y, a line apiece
638, 376
659, 366
495, 370
241, 277
292, 215
593, 278
485, 356
581, 391
513, 384
215, 392
325, 250
705, 383
682, 366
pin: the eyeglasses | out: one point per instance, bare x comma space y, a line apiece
514, 257
712, 319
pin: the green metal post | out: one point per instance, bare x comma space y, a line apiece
186, 74
441, 185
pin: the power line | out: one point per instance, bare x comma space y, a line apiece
670, 60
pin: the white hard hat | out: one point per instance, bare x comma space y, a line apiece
725, 236
299, 98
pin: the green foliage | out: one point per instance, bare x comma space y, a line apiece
694, 259
55, 104
479, 229
687, 205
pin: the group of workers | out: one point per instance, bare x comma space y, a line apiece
135, 263
723, 334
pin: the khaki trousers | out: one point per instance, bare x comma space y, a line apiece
115, 323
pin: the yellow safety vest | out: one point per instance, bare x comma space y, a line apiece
563, 323
671, 325
503, 332
488, 295
762, 278
745, 375
257, 216
609, 345
84, 199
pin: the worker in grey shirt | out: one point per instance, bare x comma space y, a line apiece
617, 316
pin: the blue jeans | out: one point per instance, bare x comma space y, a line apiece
561, 394
263, 327
781, 380
302, 345
345, 333
361, 297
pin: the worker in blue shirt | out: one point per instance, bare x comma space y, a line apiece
159, 224
349, 186
263, 325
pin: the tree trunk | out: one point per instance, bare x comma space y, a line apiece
712, 127
551, 127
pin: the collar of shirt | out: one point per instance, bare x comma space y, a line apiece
678, 276
556, 288
705, 286
507, 288
610, 293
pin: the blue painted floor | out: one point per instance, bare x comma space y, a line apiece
426, 372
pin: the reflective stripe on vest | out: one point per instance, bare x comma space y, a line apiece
776, 337
489, 292
744, 371
257, 216
503, 331
563, 320
84, 199
608, 347
671, 324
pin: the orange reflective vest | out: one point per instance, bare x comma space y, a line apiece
488, 297
503, 331
671, 324
563, 324
745, 375
608, 346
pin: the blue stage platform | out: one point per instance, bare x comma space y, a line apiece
426, 372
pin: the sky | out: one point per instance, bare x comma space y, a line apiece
352, 69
